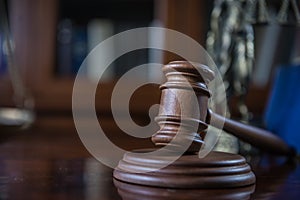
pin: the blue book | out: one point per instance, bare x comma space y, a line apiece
79, 47
71, 47
3, 58
282, 115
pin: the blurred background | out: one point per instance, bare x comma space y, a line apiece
255, 44
248, 40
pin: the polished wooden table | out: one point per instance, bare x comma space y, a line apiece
48, 161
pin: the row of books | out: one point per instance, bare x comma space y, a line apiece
75, 41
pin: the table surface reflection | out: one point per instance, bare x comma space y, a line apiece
49, 161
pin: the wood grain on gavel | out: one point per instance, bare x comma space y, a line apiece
179, 110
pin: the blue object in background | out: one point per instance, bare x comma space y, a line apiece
282, 115
3, 61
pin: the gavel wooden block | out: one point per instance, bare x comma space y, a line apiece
183, 118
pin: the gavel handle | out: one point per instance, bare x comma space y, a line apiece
257, 137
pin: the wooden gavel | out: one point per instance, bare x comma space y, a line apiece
177, 111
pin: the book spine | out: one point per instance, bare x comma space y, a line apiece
79, 48
3, 61
64, 48
97, 31
156, 38
134, 58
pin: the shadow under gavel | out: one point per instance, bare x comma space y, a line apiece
183, 119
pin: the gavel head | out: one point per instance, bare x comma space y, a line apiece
183, 107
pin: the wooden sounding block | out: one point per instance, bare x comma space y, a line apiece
183, 119
216, 170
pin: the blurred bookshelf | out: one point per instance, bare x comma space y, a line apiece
84, 24
49, 58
